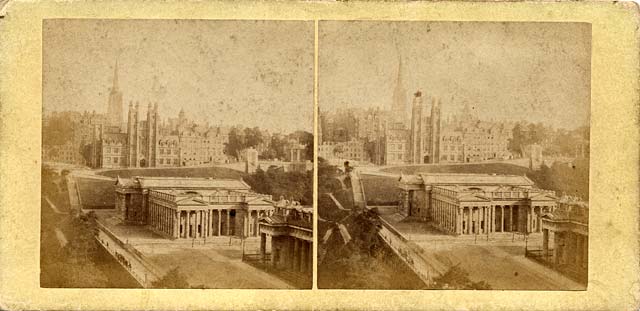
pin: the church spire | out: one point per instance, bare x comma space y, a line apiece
399, 104
114, 87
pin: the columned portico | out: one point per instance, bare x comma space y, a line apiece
290, 230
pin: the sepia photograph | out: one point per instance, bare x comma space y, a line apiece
319, 155
453, 155
177, 154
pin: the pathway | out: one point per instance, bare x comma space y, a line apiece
53, 207
336, 202
61, 238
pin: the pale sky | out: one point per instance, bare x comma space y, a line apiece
250, 73
538, 72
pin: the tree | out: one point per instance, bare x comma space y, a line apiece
252, 138
57, 131
457, 278
277, 147
172, 279
290, 185
86, 151
306, 139
327, 181
517, 140
235, 144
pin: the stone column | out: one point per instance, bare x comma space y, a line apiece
196, 225
184, 217
256, 223
214, 222
296, 255
179, 224
274, 251
263, 245
579, 251
187, 220
478, 222
556, 249
285, 254
510, 218
545, 243
502, 218
292, 254
229, 222
484, 220
530, 221
585, 251
450, 219
304, 260
469, 215
476, 219
539, 219
245, 224
176, 226
210, 222
574, 249
459, 220
309, 256
205, 223
492, 219
220, 223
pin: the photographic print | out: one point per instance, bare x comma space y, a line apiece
453, 155
177, 154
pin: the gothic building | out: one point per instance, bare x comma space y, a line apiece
114, 107
146, 141
425, 131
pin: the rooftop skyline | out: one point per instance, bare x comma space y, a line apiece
255, 73
535, 72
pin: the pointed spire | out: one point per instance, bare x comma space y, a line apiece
114, 87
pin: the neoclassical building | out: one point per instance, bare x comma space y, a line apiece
290, 229
567, 228
190, 208
464, 204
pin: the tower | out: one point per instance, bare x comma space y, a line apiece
151, 133
399, 104
417, 128
434, 132
132, 136
114, 107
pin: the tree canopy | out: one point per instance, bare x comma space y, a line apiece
57, 131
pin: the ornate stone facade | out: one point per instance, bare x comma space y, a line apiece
465, 204
150, 142
567, 228
290, 228
192, 208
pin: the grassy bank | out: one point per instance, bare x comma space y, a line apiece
203, 172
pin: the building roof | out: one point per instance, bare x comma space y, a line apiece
472, 179
183, 183
174, 182
119, 138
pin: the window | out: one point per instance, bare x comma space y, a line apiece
115, 160
161, 160
161, 152
116, 150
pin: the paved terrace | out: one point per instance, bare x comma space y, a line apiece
214, 263
497, 259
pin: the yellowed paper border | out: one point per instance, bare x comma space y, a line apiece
614, 248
